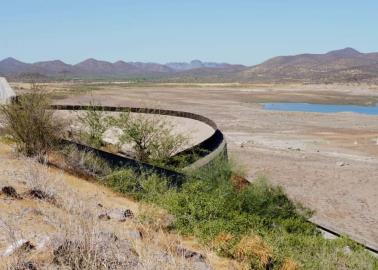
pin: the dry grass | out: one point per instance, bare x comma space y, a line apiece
289, 264
253, 247
38, 177
223, 242
69, 235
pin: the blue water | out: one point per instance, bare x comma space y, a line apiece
322, 108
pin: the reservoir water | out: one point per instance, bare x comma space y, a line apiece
322, 108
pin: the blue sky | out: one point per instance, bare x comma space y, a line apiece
235, 31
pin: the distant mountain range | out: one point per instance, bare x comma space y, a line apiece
95, 68
346, 65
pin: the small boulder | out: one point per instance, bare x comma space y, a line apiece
42, 242
41, 195
134, 234
38, 194
197, 259
107, 237
27, 266
120, 214
104, 216
129, 213
340, 164
189, 254
347, 250
10, 192
19, 246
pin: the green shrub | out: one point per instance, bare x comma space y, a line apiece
266, 201
138, 186
94, 124
151, 137
31, 124
126, 182
153, 186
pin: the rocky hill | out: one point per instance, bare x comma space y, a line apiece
13, 68
345, 65
336, 66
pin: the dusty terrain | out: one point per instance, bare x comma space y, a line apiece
328, 162
47, 224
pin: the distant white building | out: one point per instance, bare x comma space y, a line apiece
6, 92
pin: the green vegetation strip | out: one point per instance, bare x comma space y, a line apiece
257, 225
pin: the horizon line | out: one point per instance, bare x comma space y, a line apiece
177, 62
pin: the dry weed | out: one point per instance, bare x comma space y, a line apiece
38, 177
289, 264
251, 247
223, 242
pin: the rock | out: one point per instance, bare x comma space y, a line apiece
27, 266
117, 214
42, 242
328, 235
201, 266
39, 194
134, 234
104, 216
19, 246
129, 213
130, 260
107, 237
347, 250
197, 259
120, 214
340, 164
188, 254
10, 192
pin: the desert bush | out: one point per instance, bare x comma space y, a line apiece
151, 137
145, 186
126, 182
254, 199
31, 124
94, 124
